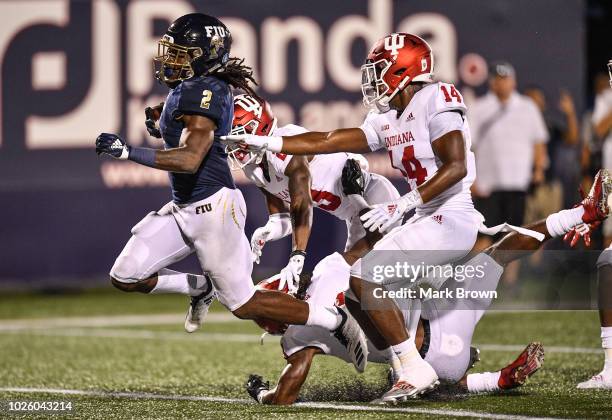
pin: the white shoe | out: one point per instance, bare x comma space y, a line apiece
350, 335
198, 307
602, 380
421, 379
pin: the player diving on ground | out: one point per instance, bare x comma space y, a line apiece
442, 330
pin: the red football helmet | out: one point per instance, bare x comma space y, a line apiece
251, 116
395, 61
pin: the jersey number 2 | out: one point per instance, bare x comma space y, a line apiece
412, 166
206, 97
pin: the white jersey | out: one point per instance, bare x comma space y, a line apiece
325, 170
408, 138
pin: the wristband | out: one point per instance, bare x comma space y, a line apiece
297, 252
275, 144
143, 156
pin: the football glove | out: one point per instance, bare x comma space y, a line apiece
112, 145
152, 115
353, 181
290, 275
582, 231
253, 142
385, 215
256, 387
278, 226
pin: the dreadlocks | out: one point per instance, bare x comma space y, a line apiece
238, 75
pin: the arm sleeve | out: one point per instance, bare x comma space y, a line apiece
205, 98
443, 123
371, 134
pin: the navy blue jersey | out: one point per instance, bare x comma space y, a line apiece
211, 98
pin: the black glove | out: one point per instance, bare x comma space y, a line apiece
112, 145
255, 386
152, 115
353, 181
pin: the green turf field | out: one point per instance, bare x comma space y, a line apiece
128, 357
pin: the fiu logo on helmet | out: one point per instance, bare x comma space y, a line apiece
216, 31
393, 43
249, 104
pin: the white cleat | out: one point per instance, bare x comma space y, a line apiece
602, 380
421, 380
350, 335
198, 307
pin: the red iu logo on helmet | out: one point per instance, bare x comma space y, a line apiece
249, 104
394, 43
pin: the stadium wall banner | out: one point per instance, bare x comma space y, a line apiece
73, 69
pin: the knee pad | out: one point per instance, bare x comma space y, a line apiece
605, 258
125, 269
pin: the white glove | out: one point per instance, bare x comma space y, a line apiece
278, 226
290, 275
383, 216
253, 142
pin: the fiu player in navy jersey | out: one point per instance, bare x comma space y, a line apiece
207, 214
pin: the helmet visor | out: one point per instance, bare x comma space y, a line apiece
173, 61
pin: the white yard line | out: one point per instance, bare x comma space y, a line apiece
313, 405
108, 321
552, 349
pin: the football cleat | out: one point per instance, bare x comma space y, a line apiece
350, 335
255, 386
595, 204
422, 378
517, 372
198, 307
474, 356
602, 380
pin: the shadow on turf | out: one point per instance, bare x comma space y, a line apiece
360, 391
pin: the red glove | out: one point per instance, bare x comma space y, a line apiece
582, 231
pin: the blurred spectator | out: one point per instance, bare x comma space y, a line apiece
509, 141
563, 150
602, 126
509, 138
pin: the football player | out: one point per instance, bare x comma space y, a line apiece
442, 330
207, 214
603, 380
291, 184
422, 124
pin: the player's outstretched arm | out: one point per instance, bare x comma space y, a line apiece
196, 140
311, 143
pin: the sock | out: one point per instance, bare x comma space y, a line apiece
606, 343
394, 362
170, 281
323, 316
483, 382
406, 353
562, 222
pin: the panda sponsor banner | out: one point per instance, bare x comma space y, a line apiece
74, 68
